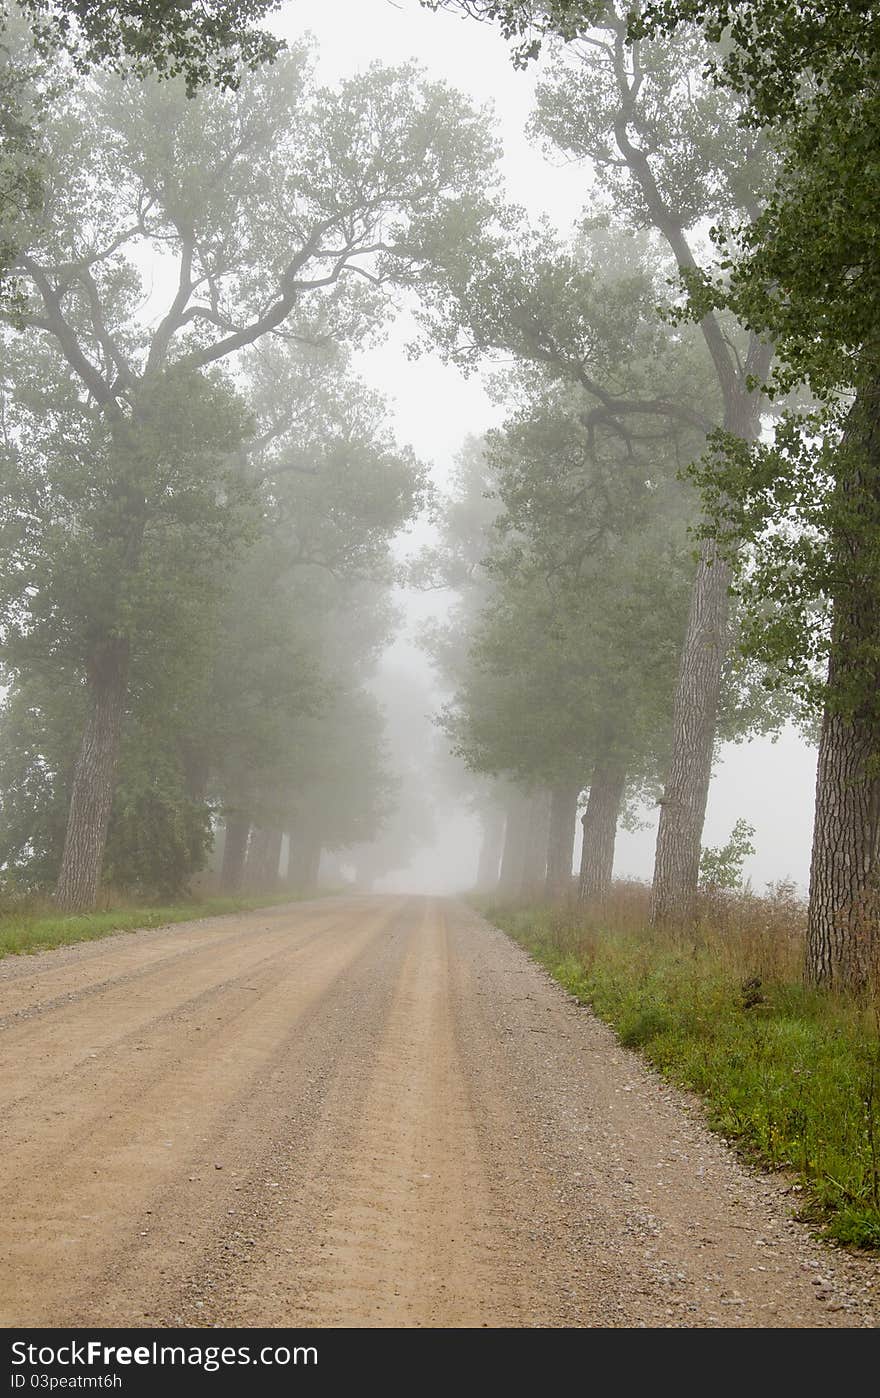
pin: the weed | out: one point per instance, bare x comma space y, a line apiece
790, 1074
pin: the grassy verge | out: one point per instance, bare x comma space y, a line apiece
789, 1075
38, 930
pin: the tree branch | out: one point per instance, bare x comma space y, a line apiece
664, 221
66, 336
175, 316
105, 339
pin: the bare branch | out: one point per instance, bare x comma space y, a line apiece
105, 339
172, 321
66, 336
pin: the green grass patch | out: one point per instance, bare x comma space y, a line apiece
793, 1079
23, 932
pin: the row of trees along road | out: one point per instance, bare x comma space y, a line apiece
170, 204
743, 131
575, 623
197, 496
604, 105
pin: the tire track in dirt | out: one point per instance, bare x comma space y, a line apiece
83, 1161
368, 1112
131, 1010
39, 983
394, 1220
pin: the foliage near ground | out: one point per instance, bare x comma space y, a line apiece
788, 1074
35, 927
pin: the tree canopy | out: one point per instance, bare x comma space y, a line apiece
206, 43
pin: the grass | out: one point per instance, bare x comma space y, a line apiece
32, 929
788, 1074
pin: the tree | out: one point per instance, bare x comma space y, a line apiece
557, 309
23, 96
69, 525
275, 201
572, 471
568, 682
284, 709
567, 687
807, 272
670, 149
253, 707
527, 22
722, 867
804, 272
465, 518
569, 679
206, 43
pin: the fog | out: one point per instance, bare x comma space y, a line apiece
346, 439
439, 664
768, 782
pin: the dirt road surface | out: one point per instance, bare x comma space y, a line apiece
366, 1112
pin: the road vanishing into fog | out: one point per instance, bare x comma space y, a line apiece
366, 1112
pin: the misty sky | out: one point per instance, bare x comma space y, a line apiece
768, 784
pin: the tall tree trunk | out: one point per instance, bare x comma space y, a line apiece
600, 830
305, 861
843, 920
235, 845
91, 796
253, 863
492, 821
272, 860
694, 719
701, 669
264, 852
560, 843
844, 907
516, 838
706, 642
683, 810
534, 871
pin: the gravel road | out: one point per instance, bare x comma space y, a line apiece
367, 1112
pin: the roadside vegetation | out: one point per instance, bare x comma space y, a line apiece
200, 496
36, 926
788, 1073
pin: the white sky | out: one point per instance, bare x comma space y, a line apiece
436, 406
769, 785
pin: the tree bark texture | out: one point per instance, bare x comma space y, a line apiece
560, 841
600, 830
516, 838
695, 714
534, 870
92, 790
91, 796
238, 829
492, 821
843, 920
701, 669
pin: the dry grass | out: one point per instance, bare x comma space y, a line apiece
791, 1074
746, 933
